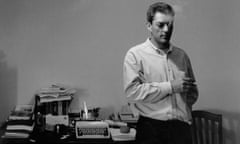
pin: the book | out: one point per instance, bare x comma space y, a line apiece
51, 90
22, 112
53, 99
48, 95
19, 122
21, 127
24, 108
15, 135
55, 92
20, 116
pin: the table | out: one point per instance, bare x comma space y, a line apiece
47, 137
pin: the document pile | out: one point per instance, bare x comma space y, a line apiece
20, 123
54, 99
55, 93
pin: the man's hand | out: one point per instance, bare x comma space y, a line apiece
182, 85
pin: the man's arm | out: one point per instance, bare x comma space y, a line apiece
193, 94
135, 86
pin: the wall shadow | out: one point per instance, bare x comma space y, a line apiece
231, 126
8, 87
77, 102
105, 112
81, 95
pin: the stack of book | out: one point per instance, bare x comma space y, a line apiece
55, 93
54, 100
20, 123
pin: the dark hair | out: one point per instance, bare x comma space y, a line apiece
159, 7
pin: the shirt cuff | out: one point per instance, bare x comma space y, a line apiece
165, 87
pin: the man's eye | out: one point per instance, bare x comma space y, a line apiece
161, 25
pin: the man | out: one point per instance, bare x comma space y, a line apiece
159, 83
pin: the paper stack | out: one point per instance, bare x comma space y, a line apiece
54, 99
20, 123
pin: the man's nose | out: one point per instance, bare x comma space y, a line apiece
165, 28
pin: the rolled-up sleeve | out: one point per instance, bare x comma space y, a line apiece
135, 86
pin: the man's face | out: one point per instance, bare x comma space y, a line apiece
161, 27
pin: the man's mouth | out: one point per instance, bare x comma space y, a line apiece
163, 36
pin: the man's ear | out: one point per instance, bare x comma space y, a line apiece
149, 26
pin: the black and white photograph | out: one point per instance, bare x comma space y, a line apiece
119, 71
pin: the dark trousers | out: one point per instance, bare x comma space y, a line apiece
151, 131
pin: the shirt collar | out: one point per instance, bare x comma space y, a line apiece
157, 49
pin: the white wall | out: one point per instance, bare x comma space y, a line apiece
82, 43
